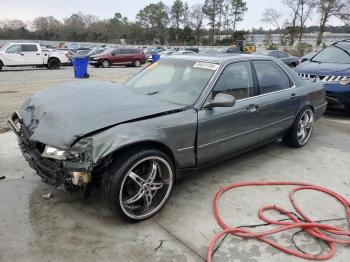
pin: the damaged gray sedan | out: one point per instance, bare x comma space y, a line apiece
174, 117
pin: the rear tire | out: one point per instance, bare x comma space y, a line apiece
347, 108
139, 183
106, 64
96, 66
301, 131
137, 63
0, 66
53, 64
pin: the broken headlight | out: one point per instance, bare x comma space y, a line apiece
51, 152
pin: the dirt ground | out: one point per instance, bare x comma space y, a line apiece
17, 84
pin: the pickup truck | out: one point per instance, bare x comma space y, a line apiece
31, 54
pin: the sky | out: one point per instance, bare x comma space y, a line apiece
27, 10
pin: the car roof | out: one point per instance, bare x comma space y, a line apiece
218, 58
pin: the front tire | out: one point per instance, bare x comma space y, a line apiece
106, 64
347, 108
137, 63
139, 183
301, 130
0, 66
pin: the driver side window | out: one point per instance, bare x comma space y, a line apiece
236, 80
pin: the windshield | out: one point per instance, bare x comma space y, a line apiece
338, 53
173, 80
107, 51
3, 47
96, 51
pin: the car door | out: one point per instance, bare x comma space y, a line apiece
14, 56
223, 131
115, 56
31, 54
130, 55
124, 56
279, 100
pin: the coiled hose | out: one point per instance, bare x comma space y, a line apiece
317, 230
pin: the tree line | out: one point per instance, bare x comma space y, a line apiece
214, 22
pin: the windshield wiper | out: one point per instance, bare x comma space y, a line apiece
153, 93
315, 61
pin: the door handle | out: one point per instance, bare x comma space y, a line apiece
253, 108
37, 54
293, 96
22, 54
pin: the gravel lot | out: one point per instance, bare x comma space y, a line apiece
17, 84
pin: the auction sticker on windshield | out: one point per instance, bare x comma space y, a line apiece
203, 65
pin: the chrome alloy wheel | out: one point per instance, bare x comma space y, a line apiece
305, 127
146, 187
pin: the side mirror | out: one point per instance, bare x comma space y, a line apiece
221, 100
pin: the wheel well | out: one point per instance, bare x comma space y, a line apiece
54, 58
102, 166
147, 144
305, 106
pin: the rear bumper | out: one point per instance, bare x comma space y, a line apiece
319, 110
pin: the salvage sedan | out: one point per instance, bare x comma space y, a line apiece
176, 116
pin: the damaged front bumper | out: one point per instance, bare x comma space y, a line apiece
72, 173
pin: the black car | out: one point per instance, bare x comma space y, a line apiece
288, 59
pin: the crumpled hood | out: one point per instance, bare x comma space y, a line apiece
62, 114
323, 69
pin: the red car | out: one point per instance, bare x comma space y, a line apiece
119, 56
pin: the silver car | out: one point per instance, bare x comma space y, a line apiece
178, 115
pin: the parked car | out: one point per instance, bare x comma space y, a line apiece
288, 59
96, 51
119, 56
193, 49
29, 54
137, 139
332, 66
234, 50
83, 50
161, 53
183, 52
307, 57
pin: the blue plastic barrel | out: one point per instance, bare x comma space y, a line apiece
81, 67
155, 57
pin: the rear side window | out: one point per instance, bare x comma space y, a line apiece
14, 49
129, 51
271, 77
29, 48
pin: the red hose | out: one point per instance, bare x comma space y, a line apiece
315, 229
